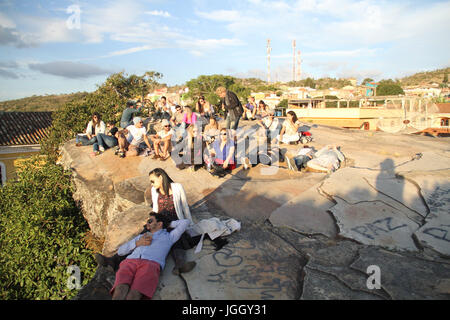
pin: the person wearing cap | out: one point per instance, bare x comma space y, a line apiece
133, 139
269, 123
128, 114
162, 141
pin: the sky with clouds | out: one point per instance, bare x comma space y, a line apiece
52, 47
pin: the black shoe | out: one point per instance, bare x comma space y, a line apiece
188, 266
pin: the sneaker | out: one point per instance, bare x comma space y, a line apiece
264, 158
291, 163
101, 148
246, 163
121, 154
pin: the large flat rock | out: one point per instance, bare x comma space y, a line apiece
255, 265
323, 286
405, 277
306, 214
435, 189
375, 223
356, 185
125, 226
435, 234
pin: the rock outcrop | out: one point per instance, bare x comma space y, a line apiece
304, 235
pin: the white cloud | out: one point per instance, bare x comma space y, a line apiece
161, 13
129, 51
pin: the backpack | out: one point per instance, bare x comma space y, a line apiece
218, 171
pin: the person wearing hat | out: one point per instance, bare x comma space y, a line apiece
133, 139
128, 114
162, 141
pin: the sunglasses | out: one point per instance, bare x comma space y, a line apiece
168, 126
224, 134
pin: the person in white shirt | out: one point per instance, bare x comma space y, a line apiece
162, 141
289, 131
94, 127
133, 139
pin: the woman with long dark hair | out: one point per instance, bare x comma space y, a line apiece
289, 131
94, 127
169, 198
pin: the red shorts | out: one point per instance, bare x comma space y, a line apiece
231, 166
140, 274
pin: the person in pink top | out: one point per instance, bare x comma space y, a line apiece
189, 117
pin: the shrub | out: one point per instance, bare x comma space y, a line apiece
41, 234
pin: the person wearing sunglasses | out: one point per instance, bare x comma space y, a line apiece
133, 139
162, 142
138, 274
169, 198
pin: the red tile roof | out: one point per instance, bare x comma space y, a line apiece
24, 128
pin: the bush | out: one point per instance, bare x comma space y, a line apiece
109, 100
41, 234
389, 88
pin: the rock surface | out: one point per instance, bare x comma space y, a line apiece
304, 235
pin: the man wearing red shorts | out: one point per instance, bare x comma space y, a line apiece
138, 274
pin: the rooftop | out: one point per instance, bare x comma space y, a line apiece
24, 128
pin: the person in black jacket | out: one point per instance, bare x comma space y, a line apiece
232, 105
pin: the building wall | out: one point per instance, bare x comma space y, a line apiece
8, 160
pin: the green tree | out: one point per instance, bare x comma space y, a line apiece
41, 234
207, 85
309, 82
109, 100
366, 80
444, 83
389, 88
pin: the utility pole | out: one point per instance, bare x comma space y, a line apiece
269, 49
293, 64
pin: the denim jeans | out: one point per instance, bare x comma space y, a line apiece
232, 122
85, 141
105, 141
301, 160
124, 124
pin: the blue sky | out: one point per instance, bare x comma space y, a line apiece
44, 50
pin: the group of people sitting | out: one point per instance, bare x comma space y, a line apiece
194, 138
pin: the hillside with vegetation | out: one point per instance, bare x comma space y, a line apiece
424, 78
41, 103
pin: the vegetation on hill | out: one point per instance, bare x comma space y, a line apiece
41, 103
322, 83
424, 78
42, 233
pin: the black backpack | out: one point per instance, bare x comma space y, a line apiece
218, 171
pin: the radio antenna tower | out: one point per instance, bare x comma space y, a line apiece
269, 49
299, 63
293, 61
